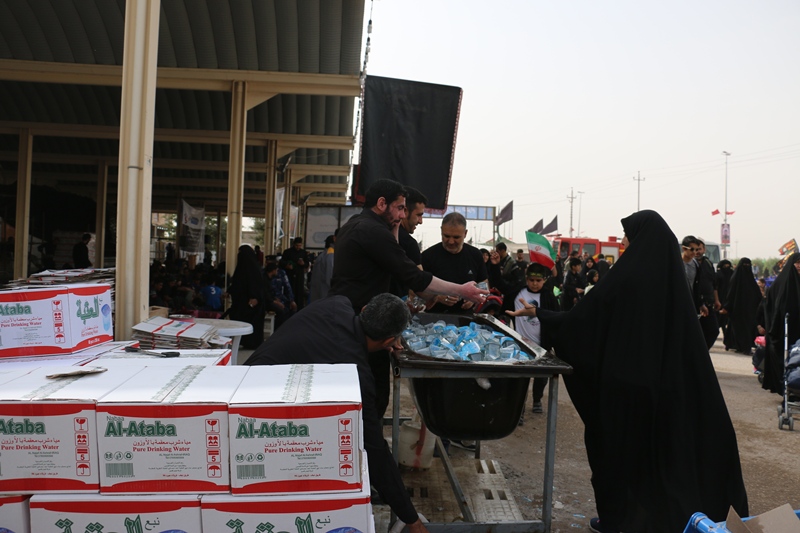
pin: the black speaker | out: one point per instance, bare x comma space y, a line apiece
183, 241
207, 239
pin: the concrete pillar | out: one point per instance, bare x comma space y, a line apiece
22, 228
236, 174
100, 218
134, 190
287, 208
269, 211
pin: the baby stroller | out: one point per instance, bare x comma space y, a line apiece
791, 381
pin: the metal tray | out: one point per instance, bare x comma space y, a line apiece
449, 398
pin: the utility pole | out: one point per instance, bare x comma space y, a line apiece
571, 199
580, 206
725, 219
638, 179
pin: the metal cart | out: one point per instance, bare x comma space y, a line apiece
786, 408
409, 365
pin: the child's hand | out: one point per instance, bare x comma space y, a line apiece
527, 310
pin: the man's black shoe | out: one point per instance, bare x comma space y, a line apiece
594, 525
464, 445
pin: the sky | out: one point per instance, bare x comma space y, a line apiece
579, 97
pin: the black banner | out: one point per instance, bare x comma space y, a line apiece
408, 135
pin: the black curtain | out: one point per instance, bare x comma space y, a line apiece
408, 135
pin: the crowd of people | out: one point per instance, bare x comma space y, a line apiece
636, 329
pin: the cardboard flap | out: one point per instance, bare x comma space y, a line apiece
734, 523
779, 520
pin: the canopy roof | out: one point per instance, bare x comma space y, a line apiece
61, 73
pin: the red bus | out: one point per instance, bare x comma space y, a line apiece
594, 247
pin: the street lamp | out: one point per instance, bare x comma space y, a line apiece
725, 219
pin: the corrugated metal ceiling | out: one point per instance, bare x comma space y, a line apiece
301, 36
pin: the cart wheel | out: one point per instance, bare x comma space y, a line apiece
791, 424
780, 422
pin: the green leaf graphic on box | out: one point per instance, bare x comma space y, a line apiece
65, 524
235, 525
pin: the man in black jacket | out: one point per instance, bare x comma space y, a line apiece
707, 285
329, 332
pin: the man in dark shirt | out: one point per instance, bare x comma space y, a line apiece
367, 258
312, 335
415, 209
296, 265
522, 264
574, 285
707, 284
368, 255
80, 252
454, 260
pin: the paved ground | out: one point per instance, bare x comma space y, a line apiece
770, 457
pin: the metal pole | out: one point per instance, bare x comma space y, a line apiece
638, 179
725, 218
571, 199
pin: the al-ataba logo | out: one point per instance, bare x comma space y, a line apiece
117, 428
15, 309
26, 427
249, 430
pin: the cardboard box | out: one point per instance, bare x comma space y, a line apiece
187, 358
332, 512
779, 520
54, 320
156, 310
9, 374
48, 440
41, 361
296, 428
58, 513
167, 431
15, 514
106, 347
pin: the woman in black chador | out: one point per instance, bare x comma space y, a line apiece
247, 296
741, 307
783, 297
658, 436
724, 273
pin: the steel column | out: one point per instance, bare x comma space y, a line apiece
100, 217
23, 222
134, 189
271, 186
236, 174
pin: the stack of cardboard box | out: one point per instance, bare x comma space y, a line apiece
297, 458
193, 449
57, 319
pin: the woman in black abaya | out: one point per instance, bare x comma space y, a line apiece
741, 306
724, 274
783, 297
247, 296
658, 436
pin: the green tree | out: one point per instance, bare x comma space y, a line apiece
212, 229
259, 225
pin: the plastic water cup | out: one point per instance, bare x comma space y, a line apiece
492, 351
507, 352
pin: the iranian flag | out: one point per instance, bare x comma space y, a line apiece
540, 250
